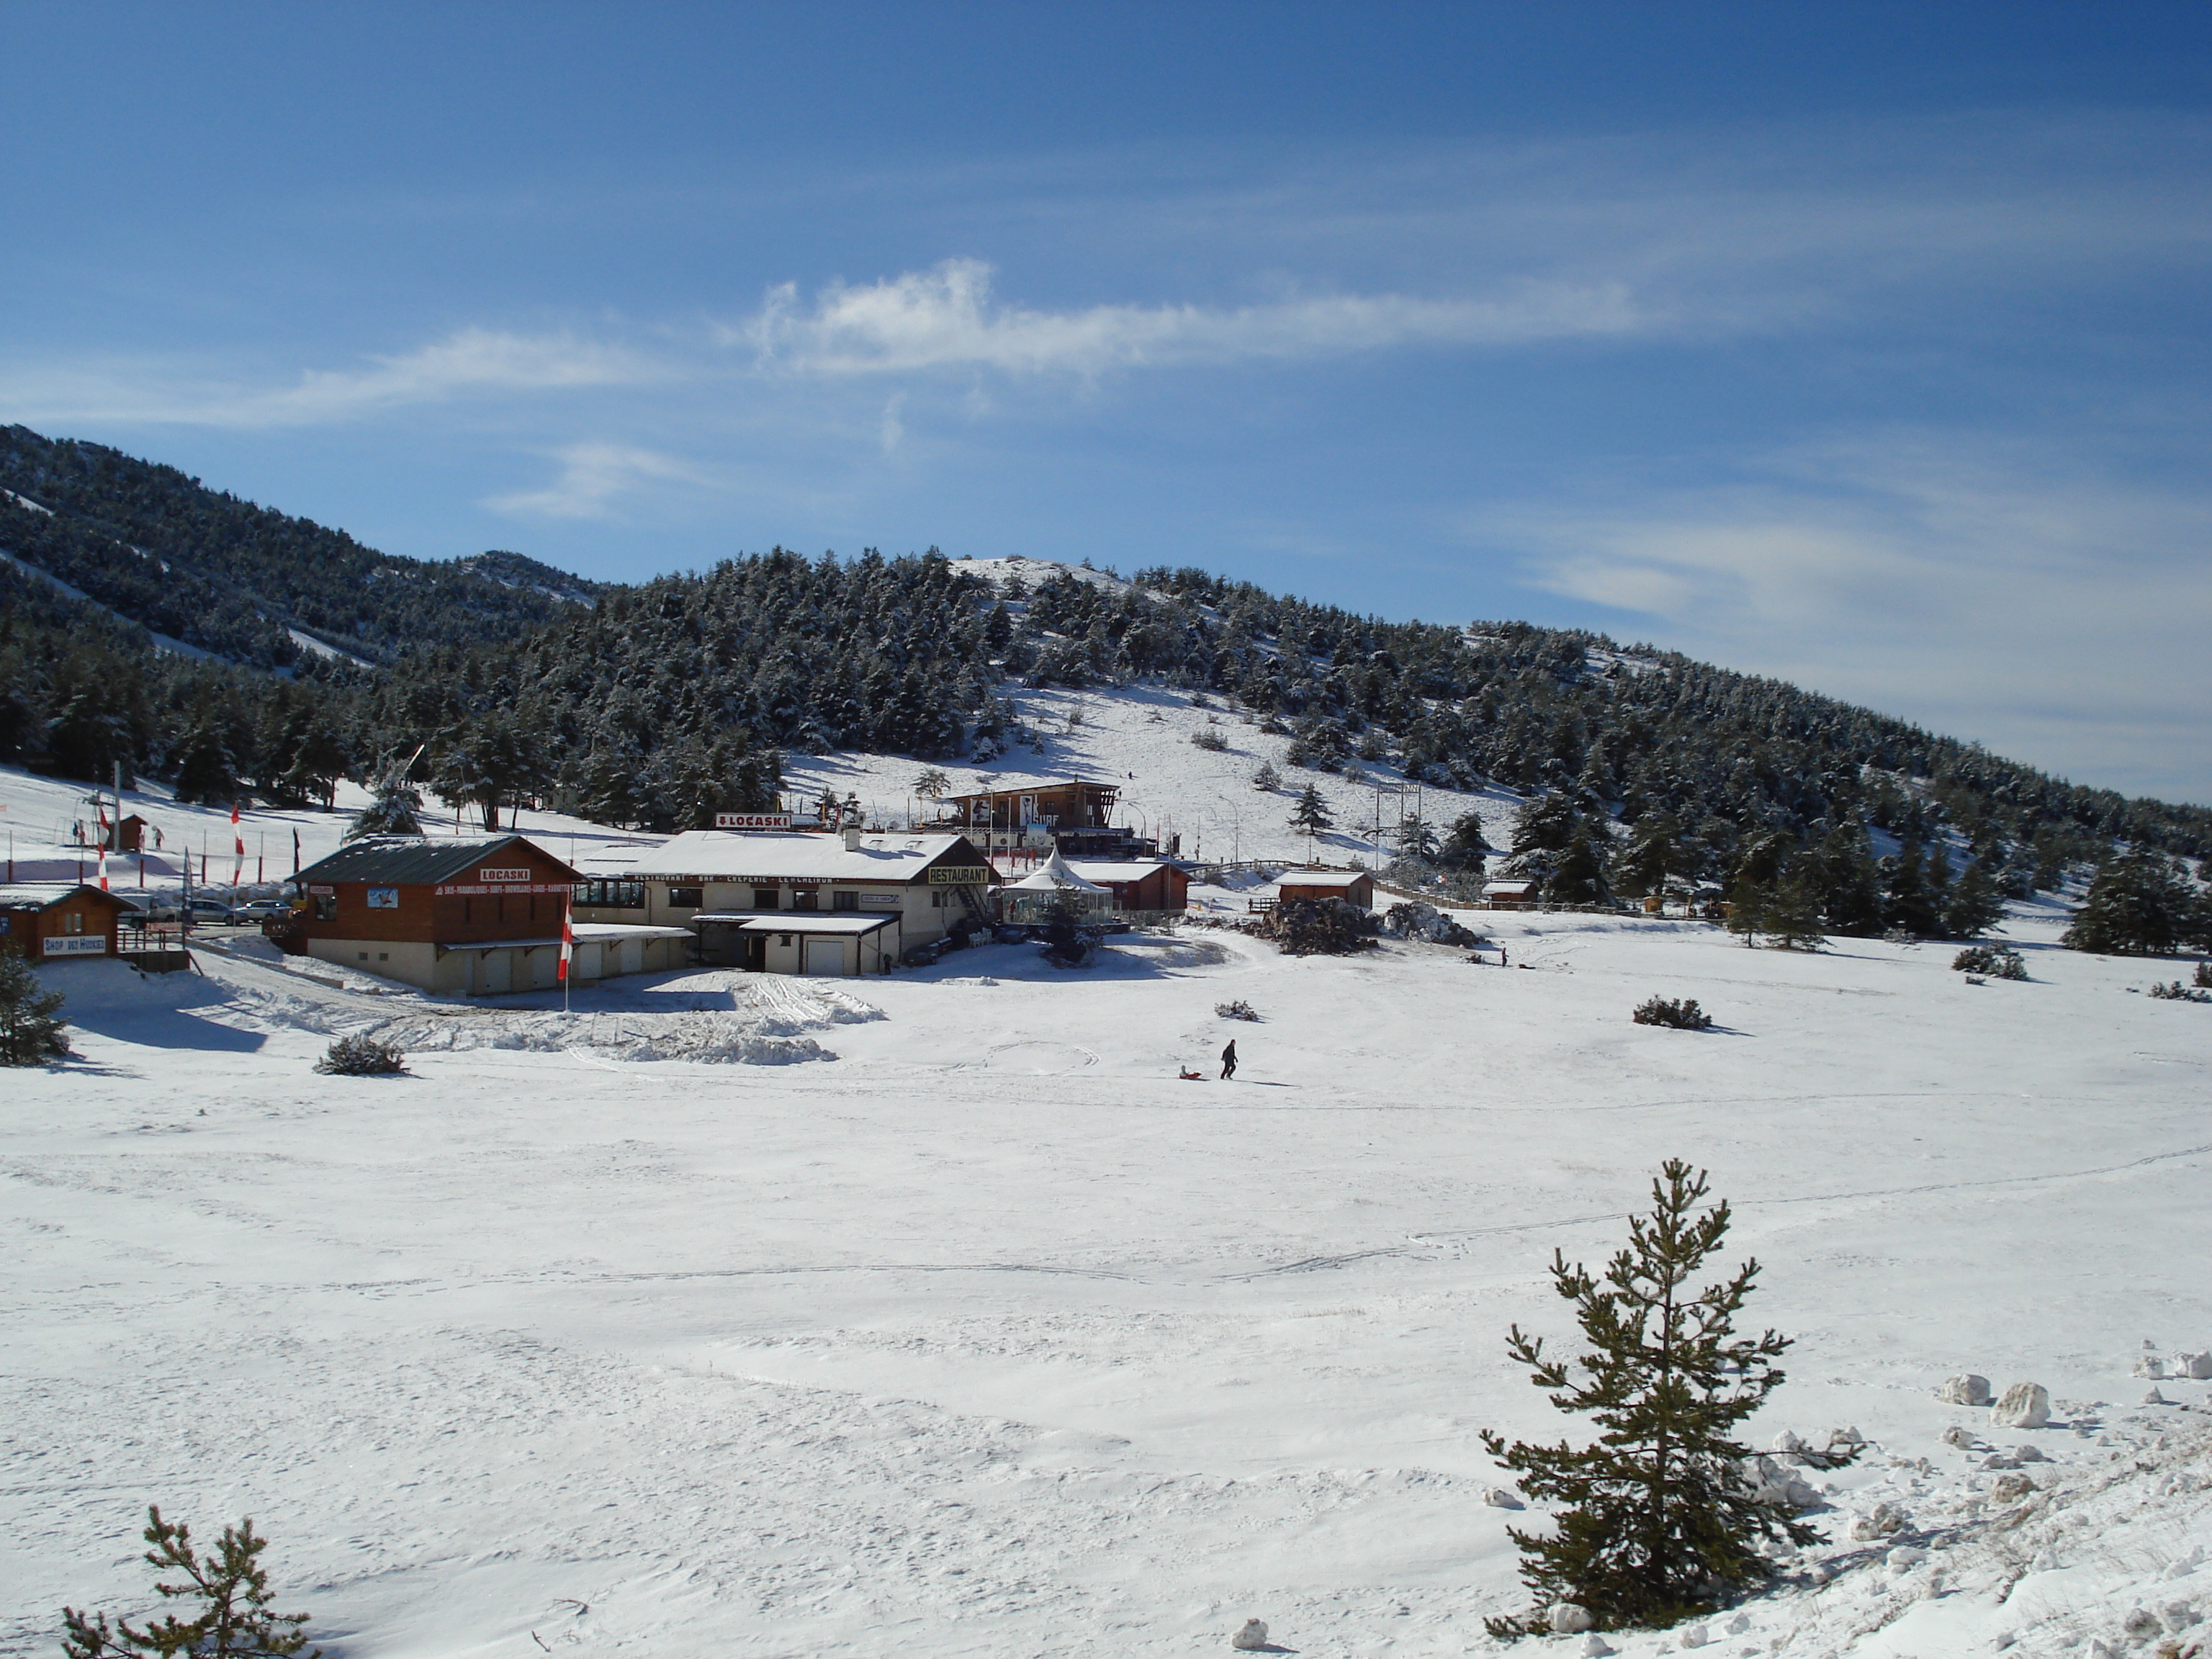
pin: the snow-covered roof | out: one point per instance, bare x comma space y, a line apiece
801, 923
1054, 876
734, 854
48, 894
1323, 878
1117, 870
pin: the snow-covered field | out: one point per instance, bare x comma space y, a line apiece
983, 1335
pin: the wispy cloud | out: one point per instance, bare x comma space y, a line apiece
947, 317
592, 476
470, 362
2005, 590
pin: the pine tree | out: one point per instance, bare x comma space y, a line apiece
30, 1032
1579, 877
394, 809
2136, 905
1656, 1519
1310, 816
1975, 905
232, 1587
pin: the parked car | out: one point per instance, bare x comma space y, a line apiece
210, 913
262, 910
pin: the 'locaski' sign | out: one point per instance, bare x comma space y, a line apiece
752, 820
489, 874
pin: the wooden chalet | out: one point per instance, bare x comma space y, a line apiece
479, 916
1353, 886
62, 920
1138, 884
1075, 816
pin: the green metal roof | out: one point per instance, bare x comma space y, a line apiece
415, 860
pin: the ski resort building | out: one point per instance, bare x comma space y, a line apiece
1139, 885
61, 920
1353, 886
793, 901
480, 916
1030, 820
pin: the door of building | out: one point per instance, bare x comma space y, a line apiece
756, 953
498, 972
825, 956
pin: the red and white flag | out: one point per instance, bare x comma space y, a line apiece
238, 840
568, 942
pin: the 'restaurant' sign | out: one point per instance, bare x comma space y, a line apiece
752, 820
959, 875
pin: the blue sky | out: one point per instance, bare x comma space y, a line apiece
1862, 346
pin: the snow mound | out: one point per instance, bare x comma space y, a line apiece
706, 1039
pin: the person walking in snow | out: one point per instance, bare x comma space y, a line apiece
1228, 1060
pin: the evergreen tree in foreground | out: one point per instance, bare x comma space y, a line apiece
1656, 1521
232, 1588
30, 1032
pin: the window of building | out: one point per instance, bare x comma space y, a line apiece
611, 894
73, 922
846, 901
327, 907
768, 899
805, 898
685, 898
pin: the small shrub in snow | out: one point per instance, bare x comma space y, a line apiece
1239, 1010
1208, 738
2202, 982
1682, 1016
231, 1587
361, 1056
1994, 961
2175, 990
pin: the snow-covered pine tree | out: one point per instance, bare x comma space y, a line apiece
1310, 815
1656, 1521
30, 1026
394, 809
1975, 905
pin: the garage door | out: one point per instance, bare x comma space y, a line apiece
825, 956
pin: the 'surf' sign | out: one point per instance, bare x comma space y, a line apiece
959, 875
503, 875
752, 820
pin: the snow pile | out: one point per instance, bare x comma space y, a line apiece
2102, 1550
766, 1027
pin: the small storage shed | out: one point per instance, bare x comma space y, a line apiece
1352, 886
61, 920
828, 946
1050, 884
1138, 883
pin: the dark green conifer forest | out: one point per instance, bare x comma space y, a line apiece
497, 678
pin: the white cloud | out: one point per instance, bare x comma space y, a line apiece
947, 317
468, 362
593, 475
2004, 591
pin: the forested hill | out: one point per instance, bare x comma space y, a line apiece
656, 704
160, 549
